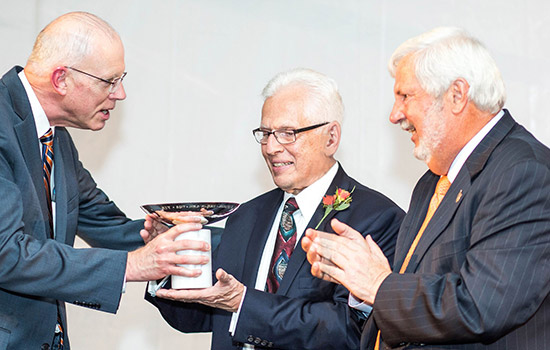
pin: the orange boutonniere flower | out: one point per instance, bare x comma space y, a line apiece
339, 201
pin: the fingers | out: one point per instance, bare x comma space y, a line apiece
145, 235
321, 270
182, 228
184, 295
190, 244
344, 230
306, 243
190, 219
374, 248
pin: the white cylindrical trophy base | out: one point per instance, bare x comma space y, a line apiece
204, 280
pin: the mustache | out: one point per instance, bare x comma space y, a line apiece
406, 125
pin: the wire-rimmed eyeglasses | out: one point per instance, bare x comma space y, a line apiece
115, 83
283, 136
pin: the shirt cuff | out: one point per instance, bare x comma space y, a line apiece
359, 305
235, 316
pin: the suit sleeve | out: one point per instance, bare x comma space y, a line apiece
100, 222
315, 314
44, 268
490, 279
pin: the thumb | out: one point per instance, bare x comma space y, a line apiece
345, 231
223, 276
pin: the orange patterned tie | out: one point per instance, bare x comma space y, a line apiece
47, 160
440, 190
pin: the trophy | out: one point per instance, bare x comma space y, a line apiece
167, 214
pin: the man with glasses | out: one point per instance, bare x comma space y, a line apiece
265, 295
47, 197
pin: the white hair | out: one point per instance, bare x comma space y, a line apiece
324, 103
445, 54
68, 40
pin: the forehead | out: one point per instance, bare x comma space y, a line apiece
286, 108
405, 77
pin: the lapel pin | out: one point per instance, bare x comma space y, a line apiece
458, 196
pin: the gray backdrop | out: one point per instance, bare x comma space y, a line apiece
195, 73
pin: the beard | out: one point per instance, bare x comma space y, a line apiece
434, 127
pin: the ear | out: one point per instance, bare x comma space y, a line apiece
58, 80
458, 95
333, 140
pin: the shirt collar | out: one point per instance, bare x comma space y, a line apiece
309, 198
465, 152
40, 119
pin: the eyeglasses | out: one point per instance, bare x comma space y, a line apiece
115, 83
283, 136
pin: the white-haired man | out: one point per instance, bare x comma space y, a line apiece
72, 78
471, 267
282, 305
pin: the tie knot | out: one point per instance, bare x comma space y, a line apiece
291, 206
442, 186
47, 138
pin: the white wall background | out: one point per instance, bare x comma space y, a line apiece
195, 73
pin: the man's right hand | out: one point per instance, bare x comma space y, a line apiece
158, 257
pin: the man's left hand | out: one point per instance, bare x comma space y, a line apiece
226, 294
347, 258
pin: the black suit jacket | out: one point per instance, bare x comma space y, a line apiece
37, 273
480, 275
306, 312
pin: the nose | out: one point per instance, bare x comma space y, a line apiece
119, 94
396, 114
273, 146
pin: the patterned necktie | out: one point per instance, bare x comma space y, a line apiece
284, 246
440, 190
47, 165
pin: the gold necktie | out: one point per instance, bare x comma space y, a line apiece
440, 190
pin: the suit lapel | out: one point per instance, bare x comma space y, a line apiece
415, 216
60, 187
299, 258
443, 215
458, 190
258, 236
25, 129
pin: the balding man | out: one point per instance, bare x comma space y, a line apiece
73, 78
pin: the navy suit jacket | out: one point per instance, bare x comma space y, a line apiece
480, 275
306, 312
37, 273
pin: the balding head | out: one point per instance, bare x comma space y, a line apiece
68, 40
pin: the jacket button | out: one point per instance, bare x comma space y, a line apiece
45, 346
263, 343
250, 338
257, 341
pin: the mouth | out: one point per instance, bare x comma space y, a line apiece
278, 168
408, 126
105, 113
280, 164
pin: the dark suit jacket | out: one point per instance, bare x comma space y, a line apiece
480, 276
36, 273
306, 312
